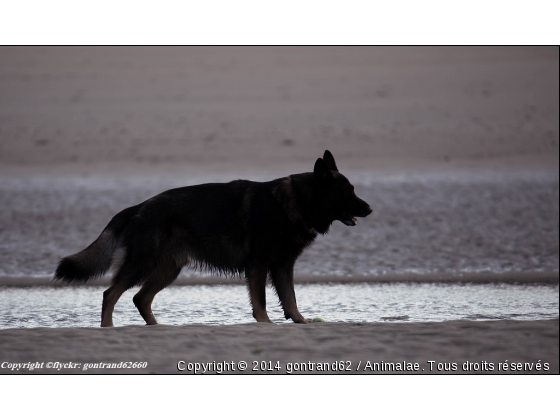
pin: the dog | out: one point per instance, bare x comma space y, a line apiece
255, 229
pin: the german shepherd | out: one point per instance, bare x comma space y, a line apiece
258, 229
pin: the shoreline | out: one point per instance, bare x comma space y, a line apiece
513, 277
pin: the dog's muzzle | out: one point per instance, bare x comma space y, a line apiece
350, 220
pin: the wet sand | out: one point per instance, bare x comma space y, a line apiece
487, 345
530, 277
455, 223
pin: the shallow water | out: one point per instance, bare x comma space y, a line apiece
430, 224
334, 302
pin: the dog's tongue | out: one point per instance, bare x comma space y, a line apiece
349, 220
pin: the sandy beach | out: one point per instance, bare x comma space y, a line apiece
293, 348
246, 110
464, 142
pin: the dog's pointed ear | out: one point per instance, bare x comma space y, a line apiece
329, 161
321, 173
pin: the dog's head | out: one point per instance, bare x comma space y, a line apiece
335, 194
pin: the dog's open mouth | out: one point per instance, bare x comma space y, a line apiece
348, 220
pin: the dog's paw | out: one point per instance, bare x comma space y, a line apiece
301, 320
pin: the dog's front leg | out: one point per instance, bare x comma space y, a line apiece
283, 281
256, 278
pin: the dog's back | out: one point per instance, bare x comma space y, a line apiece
212, 226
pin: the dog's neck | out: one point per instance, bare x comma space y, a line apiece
297, 196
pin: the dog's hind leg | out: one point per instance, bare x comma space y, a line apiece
123, 280
163, 275
283, 280
256, 277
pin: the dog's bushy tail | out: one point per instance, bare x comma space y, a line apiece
96, 259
